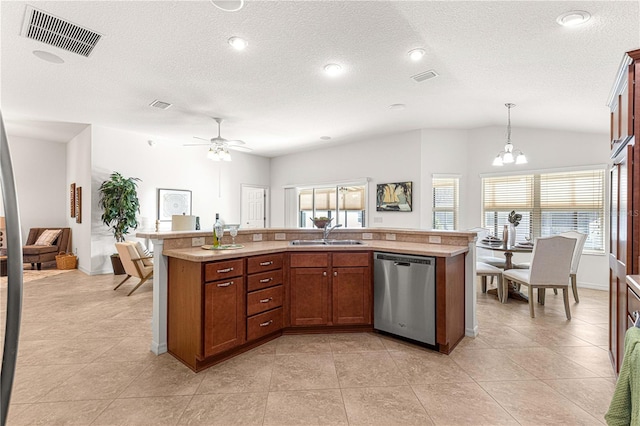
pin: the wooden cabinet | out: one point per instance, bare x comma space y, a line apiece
265, 295
624, 224
330, 288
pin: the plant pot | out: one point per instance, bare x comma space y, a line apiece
116, 263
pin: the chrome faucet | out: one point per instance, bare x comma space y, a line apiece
326, 231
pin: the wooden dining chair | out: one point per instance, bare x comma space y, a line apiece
550, 268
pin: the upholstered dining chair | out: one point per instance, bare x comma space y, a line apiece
485, 270
486, 256
135, 263
550, 268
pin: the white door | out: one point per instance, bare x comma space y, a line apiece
253, 211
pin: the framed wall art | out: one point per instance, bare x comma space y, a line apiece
394, 197
72, 199
173, 201
79, 204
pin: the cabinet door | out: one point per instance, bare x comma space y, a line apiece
309, 296
224, 315
351, 295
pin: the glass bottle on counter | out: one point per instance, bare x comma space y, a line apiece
218, 231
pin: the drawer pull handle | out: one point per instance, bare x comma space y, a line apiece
266, 263
266, 280
225, 284
264, 324
267, 300
636, 318
222, 271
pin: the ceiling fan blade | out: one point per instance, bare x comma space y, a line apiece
240, 148
203, 139
235, 142
195, 144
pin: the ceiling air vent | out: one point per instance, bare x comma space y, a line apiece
160, 104
46, 28
424, 76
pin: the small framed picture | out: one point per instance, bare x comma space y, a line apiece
79, 204
173, 202
72, 199
394, 197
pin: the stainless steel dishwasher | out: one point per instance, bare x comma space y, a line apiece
405, 296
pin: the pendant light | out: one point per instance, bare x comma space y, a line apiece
509, 154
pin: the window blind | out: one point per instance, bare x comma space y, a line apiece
445, 203
550, 203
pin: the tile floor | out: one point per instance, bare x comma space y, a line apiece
84, 360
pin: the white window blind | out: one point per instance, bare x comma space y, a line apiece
550, 203
445, 202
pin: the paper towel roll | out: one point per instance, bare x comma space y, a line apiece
181, 222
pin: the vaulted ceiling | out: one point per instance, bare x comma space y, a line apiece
274, 94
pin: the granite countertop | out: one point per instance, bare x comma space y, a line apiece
197, 254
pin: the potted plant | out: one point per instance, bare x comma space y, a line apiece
514, 220
118, 199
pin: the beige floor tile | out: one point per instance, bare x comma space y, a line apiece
165, 376
504, 337
57, 413
229, 409
128, 349
51, 352
32, 382
241, 374
144, 411
384, 406
317, 407
591, 333
304, 371
296, 344
356, 342
592, 395
593, 358
110, 328
443, 402
543, 363
367, 369
535, 403
96, 381
550, 336
428, 367
489, 364
472, 343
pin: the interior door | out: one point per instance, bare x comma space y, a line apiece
253, 208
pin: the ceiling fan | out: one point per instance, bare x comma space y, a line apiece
219, 147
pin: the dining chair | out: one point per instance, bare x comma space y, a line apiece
550, 268
486, 256
135, 262
485, 270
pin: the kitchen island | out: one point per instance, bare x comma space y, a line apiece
454, 251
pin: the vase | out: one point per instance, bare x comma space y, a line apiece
512, 234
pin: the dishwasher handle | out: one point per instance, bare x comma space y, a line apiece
402, 263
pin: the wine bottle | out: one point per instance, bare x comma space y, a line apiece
217, 231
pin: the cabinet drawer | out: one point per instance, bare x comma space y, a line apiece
264, 280
309, 260
264, 263
264, 300
633, 302
263, 324
223, 270
350, 259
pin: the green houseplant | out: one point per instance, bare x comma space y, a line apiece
118, 199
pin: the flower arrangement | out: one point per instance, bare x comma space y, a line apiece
514, 218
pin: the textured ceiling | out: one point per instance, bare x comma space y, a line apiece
275, 96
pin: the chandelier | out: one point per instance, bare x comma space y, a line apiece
219, 153
509, 154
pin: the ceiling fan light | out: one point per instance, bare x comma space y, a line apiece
497, 161
521, 159
211, 154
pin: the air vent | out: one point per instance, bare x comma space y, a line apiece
160, 104
46, 28
427, 75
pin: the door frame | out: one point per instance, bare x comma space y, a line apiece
267, 218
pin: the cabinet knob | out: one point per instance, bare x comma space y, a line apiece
264, 324
324, 274
222, 271
225, 284
266, 300
335, 274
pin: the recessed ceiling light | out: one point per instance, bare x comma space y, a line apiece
152, 143
333, 69
238, 43
573, 18
228, 5
325, 138
416, 54
49, 57
397, 107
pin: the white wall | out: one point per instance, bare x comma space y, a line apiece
78, 154
394, 158
39, 169
215, 186
545, 149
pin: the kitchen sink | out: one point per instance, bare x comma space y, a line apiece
326, 242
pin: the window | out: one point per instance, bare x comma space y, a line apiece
445, 203
343, 203
550, 203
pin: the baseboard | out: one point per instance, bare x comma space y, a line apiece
471, 332
158, 349
593, 286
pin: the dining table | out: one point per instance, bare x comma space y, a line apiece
508, 251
